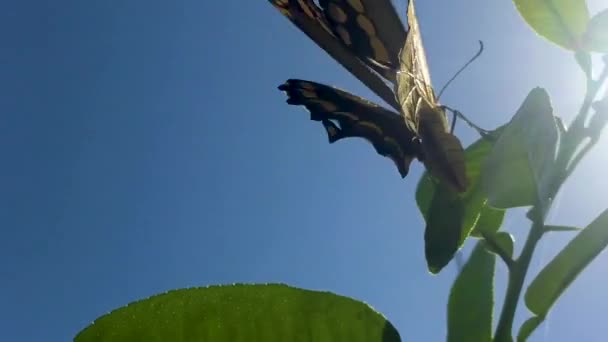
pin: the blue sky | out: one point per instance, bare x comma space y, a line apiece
145, 148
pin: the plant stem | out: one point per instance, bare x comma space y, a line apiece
517, 275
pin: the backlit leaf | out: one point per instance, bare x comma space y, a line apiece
230, 313
518, 172
562, 22
553, 280
471, 301
502, 240
450, 216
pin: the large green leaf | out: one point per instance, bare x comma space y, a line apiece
272, 312
596, 37
471, 302
450, 216
562, 22
555, 278
518, 172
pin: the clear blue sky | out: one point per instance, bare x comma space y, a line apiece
145, 147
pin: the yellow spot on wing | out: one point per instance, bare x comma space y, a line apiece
366, 25
357, 5
310, 94
380, 52
307, 85
371, 125
348, 115
344, 35
306, 8
337, 14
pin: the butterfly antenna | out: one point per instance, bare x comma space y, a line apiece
462, 69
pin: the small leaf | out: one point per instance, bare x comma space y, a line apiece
490, 220
272, 312
519, 169
528, 327
553, 280
450, 216
471, 302
443, 231
502, 240
562, 22
596, 37
583, 58
553, 228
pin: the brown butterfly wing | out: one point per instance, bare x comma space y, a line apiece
370, 28
344, 115
312, 20
443, 152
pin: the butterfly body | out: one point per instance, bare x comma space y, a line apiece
366, 37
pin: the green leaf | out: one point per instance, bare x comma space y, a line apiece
565, 267
562, 22
553, 228
528, 327
444, 227
471, 302
518, 172
450, 216
583, 58
596, 37
272, 312
502, 240
490, 220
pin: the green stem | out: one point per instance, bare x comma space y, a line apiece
517, 275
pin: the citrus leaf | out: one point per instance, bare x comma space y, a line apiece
443, 228
450, 216
471, 302
562, 22
528, 327
502, 240
519, 169
553, 280
596, 37
272, 312
489, 221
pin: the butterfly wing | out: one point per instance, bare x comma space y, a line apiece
370, 28
442, 151
344, 115
355, 35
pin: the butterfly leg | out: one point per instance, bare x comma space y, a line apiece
482, 132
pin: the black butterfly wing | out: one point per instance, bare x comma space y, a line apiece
345, 116
311, 20
370, 28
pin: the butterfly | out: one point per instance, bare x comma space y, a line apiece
368, 39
